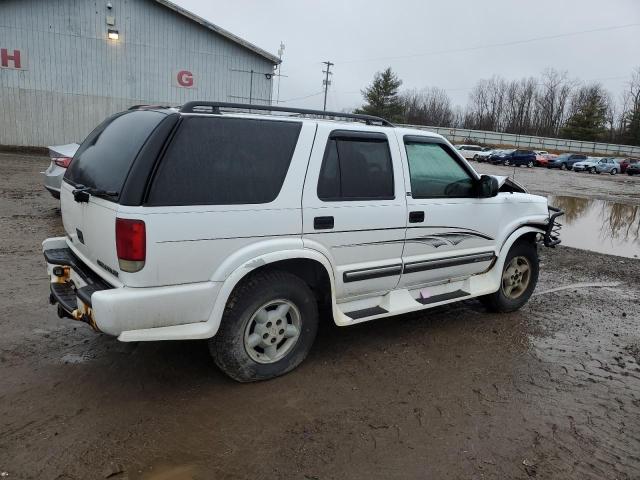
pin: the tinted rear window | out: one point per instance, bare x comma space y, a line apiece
105, 157
225, 161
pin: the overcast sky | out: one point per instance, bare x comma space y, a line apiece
365, 36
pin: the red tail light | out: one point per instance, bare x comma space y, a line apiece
131, 244
62, 161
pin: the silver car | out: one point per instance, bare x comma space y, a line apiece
60, 156
607, 165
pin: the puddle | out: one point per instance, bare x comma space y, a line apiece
599, 226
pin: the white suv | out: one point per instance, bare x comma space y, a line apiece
200, 223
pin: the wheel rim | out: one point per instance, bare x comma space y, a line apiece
614, 171
516, 277
530, 164
563, 167
272, 331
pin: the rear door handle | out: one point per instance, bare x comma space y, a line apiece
323, 223
416, 217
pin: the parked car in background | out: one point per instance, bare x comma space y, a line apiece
566, 160
468, 151
633, 168
624, 163
520, 157
60, 156
542, 159
588, 165
497, 157
483, 155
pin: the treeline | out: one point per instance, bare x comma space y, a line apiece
552, 105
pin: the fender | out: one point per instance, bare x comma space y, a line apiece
213, 323
494, 275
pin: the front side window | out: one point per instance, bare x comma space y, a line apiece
435, 172
356, 168
225, 161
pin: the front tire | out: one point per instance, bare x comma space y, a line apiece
563, 166
268, 327
518, 279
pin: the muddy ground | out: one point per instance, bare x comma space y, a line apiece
551, 391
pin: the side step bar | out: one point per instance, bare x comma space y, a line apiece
443, 297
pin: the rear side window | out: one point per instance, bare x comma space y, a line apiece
225, 161
105, 157
356, 168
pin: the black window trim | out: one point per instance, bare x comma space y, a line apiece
356, 135
411, 138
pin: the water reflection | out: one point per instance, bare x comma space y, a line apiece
605, 227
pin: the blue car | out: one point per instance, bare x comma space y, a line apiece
517, 157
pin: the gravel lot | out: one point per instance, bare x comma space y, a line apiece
551, 391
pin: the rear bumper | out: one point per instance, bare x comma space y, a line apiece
82, 294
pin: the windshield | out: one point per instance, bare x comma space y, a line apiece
563, 156
103, 160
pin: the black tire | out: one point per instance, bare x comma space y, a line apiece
592, 170
530, 165
563, 166
614, 171
498, 301
506, 163
227, 347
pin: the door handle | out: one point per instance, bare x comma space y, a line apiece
323, 223
416, 217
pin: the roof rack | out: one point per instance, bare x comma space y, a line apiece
142, 107
215, 107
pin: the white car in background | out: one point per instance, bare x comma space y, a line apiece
60, 156
469, 151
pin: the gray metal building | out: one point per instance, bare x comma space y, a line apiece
65, 65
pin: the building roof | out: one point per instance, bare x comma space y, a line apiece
220, 31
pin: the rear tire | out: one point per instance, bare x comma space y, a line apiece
614, 171
249, 345
563, 166
520, 266
507, 163
530, 165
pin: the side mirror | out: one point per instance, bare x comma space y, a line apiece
488, 186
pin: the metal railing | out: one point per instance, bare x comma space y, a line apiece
465, 135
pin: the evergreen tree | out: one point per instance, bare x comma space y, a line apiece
382, 97
588, 117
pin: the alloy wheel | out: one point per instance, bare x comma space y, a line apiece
272, 331
516, 277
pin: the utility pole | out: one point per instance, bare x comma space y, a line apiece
280, 52
326, 82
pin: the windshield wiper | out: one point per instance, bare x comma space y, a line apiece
82, 193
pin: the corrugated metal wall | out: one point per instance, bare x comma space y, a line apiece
74, 76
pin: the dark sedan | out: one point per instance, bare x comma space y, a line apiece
566, 161
520, 157
634, 167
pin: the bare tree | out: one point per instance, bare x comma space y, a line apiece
430, 106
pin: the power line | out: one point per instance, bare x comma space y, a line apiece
302, 98
326, 81
493, 45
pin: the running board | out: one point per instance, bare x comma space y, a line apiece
366, 312
443, 297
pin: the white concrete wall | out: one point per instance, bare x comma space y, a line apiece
74, 76
463, 135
